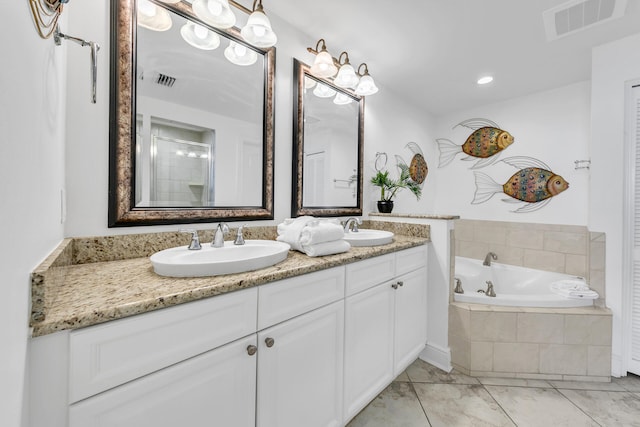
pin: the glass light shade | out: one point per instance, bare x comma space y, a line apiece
171, 1
323, 91
198, 36
346, 76
342, 99
309, 83
152, 17
366, 86
323, 65
240, 55
258, 30
216, 13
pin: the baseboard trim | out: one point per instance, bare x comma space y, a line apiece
437, 356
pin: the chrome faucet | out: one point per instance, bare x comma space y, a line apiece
239, 237
490, 292
352, 225
218, 237
488, 258
458, 289
195, 240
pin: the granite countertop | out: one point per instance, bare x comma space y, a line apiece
414, 215
83, 283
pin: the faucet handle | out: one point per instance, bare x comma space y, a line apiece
239, 237
195, 240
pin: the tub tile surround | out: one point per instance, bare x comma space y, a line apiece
87, 281
565, 249
544, 344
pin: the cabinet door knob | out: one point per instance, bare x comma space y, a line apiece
251, 350
269, 342
394, 286
400, 283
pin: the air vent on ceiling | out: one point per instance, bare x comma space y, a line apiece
165, 80
577, 15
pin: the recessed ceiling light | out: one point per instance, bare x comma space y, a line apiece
484, 80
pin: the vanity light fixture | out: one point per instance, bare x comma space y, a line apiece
346, 77
323, 65
309, 83
198, 36
366, 85
342, 99
323, 91
153, 17
258, 30
216, 13
238, 54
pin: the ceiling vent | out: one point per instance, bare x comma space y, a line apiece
164, 80
577, 15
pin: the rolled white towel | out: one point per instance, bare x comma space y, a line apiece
326, 248
289, 231
570, 284
323, 231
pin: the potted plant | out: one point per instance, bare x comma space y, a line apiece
389, 187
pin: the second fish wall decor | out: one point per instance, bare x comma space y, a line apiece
485, 143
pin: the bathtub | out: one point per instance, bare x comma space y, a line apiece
513, 285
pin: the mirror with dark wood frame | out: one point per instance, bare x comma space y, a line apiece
328, 139
191, 133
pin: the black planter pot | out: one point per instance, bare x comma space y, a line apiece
385, 206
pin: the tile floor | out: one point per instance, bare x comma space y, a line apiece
425, 396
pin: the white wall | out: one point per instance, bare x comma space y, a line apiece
32, 118
613, 65
389, 125
551, 126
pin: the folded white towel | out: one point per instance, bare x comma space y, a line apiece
573, 288
326, 248
323, 231
588, 294
289, 231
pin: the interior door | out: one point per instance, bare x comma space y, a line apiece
633, 364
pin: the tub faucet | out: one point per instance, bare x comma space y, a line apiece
488, 258
490, 292
239, 237
458, 289
218, 237
352, 224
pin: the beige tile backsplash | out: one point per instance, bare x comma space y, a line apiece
566, 249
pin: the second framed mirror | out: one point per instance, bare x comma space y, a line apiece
328, 140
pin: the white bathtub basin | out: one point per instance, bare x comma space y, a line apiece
514, 286
367, 237
210, 261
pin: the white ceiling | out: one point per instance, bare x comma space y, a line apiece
431, 52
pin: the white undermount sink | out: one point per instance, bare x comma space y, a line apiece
210, 261
366, 237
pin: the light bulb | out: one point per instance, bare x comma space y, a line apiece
214, 7
259, 31
147, 8
240, 50
200, 31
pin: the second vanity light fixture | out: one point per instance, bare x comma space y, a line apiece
342, 72
217, 13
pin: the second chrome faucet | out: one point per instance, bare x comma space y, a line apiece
490, 256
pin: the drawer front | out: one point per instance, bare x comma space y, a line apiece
411, 259
104, 356
288, 298
370, 272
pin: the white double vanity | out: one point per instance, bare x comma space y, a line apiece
307, 350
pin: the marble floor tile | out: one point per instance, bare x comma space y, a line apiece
609, 408
586, 385
539, 407
451, 405
403, 377
396, 406
422, 372
630, 382
514, 382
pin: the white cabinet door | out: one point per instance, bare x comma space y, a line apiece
217, 388
300, 368
369, 325
411, 318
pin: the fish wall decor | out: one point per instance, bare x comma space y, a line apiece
485, 143
418, 168
534, 185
